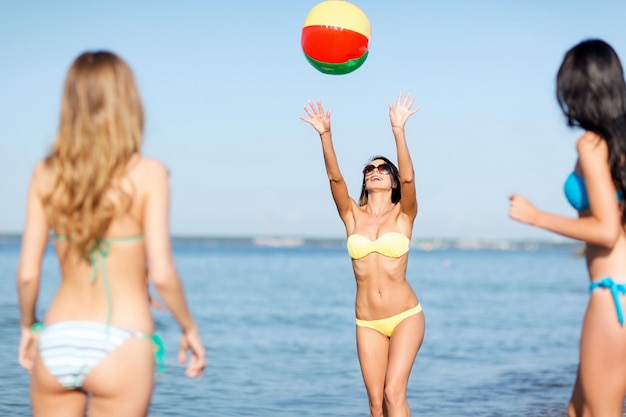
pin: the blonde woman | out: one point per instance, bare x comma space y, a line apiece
106, 208
389, 320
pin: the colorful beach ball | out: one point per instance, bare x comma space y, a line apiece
335, 37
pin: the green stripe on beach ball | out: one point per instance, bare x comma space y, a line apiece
337, 69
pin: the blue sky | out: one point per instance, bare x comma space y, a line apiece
224, 84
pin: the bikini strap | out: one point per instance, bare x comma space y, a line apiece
102, 250
97, 257
123, 239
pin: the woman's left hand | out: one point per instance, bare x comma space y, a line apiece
402, 110
190, 341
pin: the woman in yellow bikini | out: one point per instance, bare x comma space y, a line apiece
389, 320
107, 209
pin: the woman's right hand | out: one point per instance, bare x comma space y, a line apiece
402, 110
190, 340
522, 210
317, 118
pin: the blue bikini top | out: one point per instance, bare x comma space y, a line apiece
576, 192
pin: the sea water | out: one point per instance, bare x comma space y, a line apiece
502, 332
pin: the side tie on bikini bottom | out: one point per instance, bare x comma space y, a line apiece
616, 290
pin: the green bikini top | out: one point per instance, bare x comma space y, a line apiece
97, 257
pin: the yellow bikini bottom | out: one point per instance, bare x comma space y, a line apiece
387, 325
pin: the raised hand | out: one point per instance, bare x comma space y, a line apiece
402, 110
317, 118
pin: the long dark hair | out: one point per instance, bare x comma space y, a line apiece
395, 190
591, 91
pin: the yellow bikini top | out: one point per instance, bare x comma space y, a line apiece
391, 244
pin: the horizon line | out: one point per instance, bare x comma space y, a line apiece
308, 238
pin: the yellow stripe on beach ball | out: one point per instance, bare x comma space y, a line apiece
341, 14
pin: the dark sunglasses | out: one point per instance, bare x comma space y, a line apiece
384, 169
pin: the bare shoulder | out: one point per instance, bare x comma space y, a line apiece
148, 164
590, 144
149, 171
42, 180
40, 171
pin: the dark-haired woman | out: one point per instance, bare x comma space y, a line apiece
592, 94
389, 319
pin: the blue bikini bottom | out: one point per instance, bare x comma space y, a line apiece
616, 290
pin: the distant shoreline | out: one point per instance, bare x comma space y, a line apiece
424, 244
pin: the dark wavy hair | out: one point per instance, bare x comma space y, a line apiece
591, 91
395, 191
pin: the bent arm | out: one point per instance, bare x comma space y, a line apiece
603, 224
594, 229
586, 229
156, 229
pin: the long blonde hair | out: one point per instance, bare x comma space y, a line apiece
101, 128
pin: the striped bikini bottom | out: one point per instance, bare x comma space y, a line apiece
71, 349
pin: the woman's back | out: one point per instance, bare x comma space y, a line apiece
109, 286
107, 208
